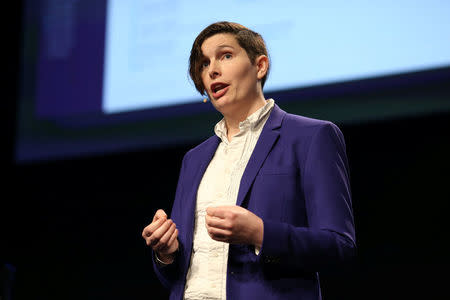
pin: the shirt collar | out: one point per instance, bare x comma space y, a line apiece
255, 120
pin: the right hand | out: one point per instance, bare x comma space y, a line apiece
162, 235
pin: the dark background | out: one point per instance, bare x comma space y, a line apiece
71, 228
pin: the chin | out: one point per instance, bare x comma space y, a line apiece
222, 106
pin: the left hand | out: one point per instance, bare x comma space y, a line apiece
234, 225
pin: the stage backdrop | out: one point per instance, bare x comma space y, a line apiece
111, 75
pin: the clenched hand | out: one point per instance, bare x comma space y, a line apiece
162, 235
235, 225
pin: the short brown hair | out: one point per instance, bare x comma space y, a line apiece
252, 42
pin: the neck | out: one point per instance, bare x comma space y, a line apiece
232, 120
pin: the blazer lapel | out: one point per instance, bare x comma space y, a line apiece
204, 154
268, 137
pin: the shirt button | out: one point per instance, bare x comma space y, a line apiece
214, 254
213, 285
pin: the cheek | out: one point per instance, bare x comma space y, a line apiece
204, 82
246, 79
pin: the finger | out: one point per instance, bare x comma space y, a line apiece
217, 222
159, 233
218, 211
220, 235
148, 231
172, 244
173, 238
159, 214
162, 243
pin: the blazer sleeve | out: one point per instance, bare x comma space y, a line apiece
329, 238
170, 274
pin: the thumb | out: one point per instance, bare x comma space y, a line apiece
159, 214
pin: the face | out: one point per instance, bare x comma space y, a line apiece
230, 79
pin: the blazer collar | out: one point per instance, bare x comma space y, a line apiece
268, 137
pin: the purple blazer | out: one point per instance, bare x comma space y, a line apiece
297, 182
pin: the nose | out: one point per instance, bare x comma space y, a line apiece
214, 70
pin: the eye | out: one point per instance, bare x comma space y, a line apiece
204, 64
227, 55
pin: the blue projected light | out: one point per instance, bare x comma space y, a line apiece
148, 43
112, 75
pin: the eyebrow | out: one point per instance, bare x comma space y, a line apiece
218, 47
225, 46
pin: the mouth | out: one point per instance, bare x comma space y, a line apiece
219, 89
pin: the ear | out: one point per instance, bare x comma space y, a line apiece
262, 65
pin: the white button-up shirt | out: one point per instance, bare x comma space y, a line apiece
206, 278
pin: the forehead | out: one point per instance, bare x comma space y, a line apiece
218, 41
